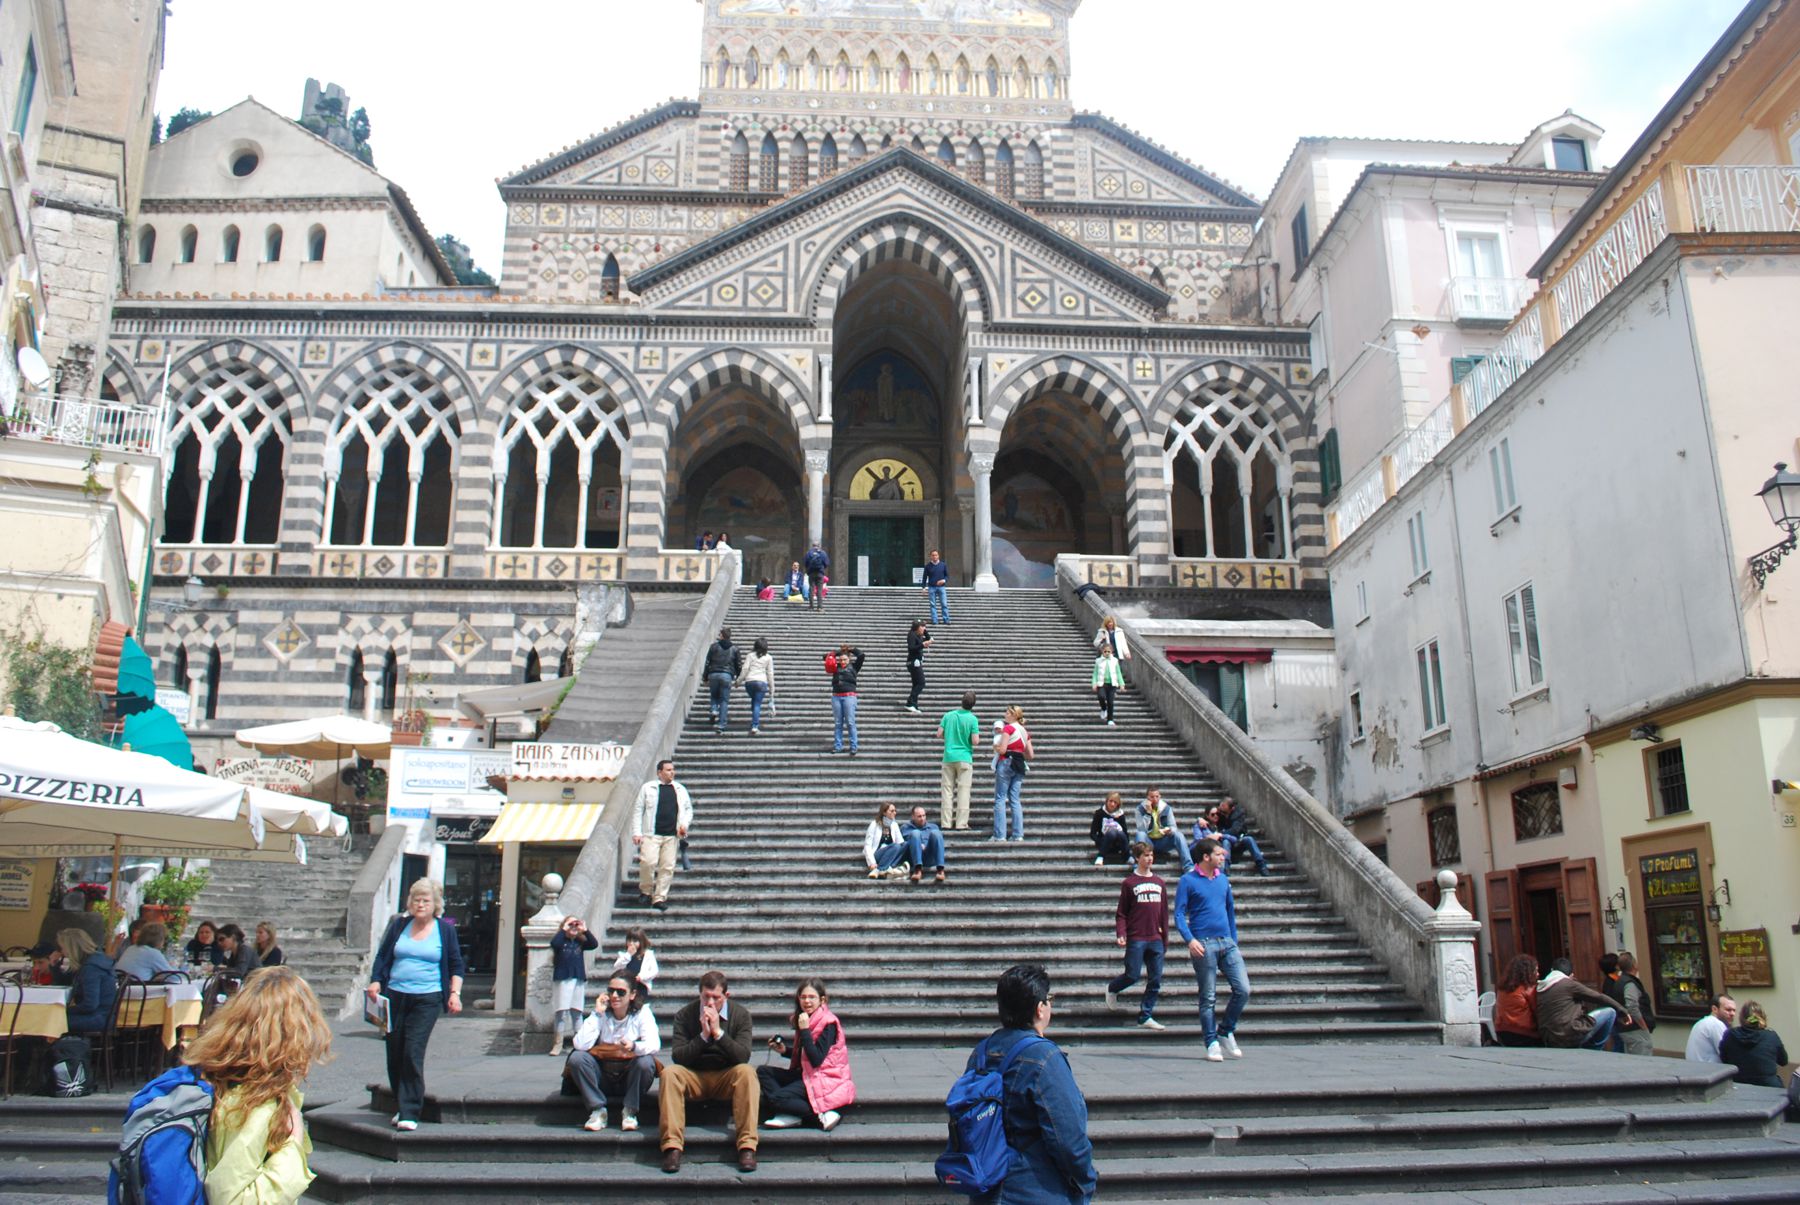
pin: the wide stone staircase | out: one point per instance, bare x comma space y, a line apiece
304, 903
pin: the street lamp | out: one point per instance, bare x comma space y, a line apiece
191, 590
1781, 494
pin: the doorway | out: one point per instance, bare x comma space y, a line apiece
1544, 935
895, 546
472, 900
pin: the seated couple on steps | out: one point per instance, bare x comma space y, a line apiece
892, 850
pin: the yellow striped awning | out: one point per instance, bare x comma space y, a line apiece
543, 823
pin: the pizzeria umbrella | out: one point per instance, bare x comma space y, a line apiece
331, 736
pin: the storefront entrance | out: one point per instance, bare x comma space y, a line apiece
535, 861
894, 545
472, 900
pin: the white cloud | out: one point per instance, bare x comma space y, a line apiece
460, 93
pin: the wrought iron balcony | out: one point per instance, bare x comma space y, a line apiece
1742, 198
1487, 298
86, 423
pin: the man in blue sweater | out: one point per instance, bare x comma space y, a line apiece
1207, 918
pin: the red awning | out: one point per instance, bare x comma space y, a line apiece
1248, 656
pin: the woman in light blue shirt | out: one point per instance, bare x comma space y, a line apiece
419, 969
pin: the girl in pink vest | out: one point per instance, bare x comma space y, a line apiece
816, 1083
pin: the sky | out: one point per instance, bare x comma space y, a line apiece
462, 92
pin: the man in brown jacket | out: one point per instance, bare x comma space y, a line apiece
1572, 1014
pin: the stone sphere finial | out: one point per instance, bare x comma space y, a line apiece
553, 883
1446, 881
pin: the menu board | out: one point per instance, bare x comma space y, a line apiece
1744, 958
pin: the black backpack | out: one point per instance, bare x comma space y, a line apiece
68, 1072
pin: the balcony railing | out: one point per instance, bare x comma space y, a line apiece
1757, 197
1487, 298
84, 423
1612, 257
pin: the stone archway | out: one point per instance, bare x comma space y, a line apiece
887, 513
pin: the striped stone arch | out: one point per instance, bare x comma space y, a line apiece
352, 374
548, 638
902, 236
195, 364
1307, 515
1146, 501
116, 374
542, 359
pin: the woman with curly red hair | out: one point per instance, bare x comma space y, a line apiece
1515, 1004
254, 1052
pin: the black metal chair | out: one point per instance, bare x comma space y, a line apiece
134, 1042
12, 996
220, 986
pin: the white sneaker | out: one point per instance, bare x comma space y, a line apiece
875, 872
1112, 999
829, 1119
1099, 861
783, 1121
596, 1120
1231, 1046
406, 1126
915, 711
628, 1123
1111, 724
1151, 1023
1214, 1054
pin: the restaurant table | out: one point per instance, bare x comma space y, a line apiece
44, 1011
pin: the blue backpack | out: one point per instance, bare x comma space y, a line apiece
162, 1146
977, 1159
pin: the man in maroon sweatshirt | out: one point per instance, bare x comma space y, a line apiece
1142, 927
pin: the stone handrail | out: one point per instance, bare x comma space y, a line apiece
373, 896
592, 886
1430, 954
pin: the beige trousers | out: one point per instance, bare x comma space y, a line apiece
953, 807
656, 857
736, 1084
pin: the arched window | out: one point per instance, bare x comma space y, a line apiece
797, 165
230, 437
146, 244
991, 76
534, 667
228, 245
315, 244
390, 461
784, 71
356, 686
918, 146
190, 244
947, 154
903, 80
975, 163
1031, 178
1003, 169
390, 681
557, 477
609, 279
1231, 478
213, 673
752, 69
768, 166
1156, 278
858, 150
178, 677
828, 158
738, 175
272, 245
841, 75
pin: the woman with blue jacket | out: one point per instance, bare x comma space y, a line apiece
91, 998
419, 968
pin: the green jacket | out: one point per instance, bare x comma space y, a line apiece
239, 1169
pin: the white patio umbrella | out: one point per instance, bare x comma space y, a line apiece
297, 815
333, 736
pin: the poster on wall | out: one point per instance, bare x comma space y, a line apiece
16, 878
283, 775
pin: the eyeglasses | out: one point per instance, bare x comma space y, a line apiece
618, 991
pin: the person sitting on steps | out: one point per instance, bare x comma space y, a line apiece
816, 1083
615, 1052
924, 844
885, 848
1111, 842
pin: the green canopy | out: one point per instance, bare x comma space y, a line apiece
157, 733
137, 675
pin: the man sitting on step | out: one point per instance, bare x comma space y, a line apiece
1156, 826
1570, 1013
711, 1053
1236, 846
926, 842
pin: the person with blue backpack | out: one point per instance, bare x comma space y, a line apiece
1018, 1121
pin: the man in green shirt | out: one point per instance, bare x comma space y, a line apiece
958, 728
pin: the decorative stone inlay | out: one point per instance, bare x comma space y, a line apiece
287, 639
462, 642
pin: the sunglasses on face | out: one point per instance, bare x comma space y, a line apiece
618, 991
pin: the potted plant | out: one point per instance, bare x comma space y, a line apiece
170, 894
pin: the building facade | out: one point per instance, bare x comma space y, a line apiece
880, 287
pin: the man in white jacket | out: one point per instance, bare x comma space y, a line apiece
659, 820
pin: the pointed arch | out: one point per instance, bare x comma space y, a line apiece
965, 76
1004, 181
903, 74
737, 174
946, 153
230, 438
799, 166
871, 74
975, 163
609, 278
815, 74
722, 69
752, 69
858, 150
934, 76
1021, 80
828, 158
1031, 172
558, 465
903, 236
768, 165
991, 79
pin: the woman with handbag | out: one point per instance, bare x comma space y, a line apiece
1012, 754
816, 1083
615, 1050
419, 971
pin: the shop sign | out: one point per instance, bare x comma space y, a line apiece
547, 759
16, 875
178, 703
1670, 876
1744, 958
461, 830
444, 771
283, 775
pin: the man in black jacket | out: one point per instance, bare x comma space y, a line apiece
816, 565
843, 666
711, 1061
724, 662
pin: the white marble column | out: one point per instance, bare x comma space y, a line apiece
371, 693
973, 392
981, 467
815, 496
825, 387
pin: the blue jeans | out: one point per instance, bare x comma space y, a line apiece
940, 603
1604, 1020
1006, 795
925, 846
720, 686
1221, 955
1142, 957
888, 856
1236, 847
757, 691
1171, 842
843, 715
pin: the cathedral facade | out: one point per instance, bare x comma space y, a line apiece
881, 287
